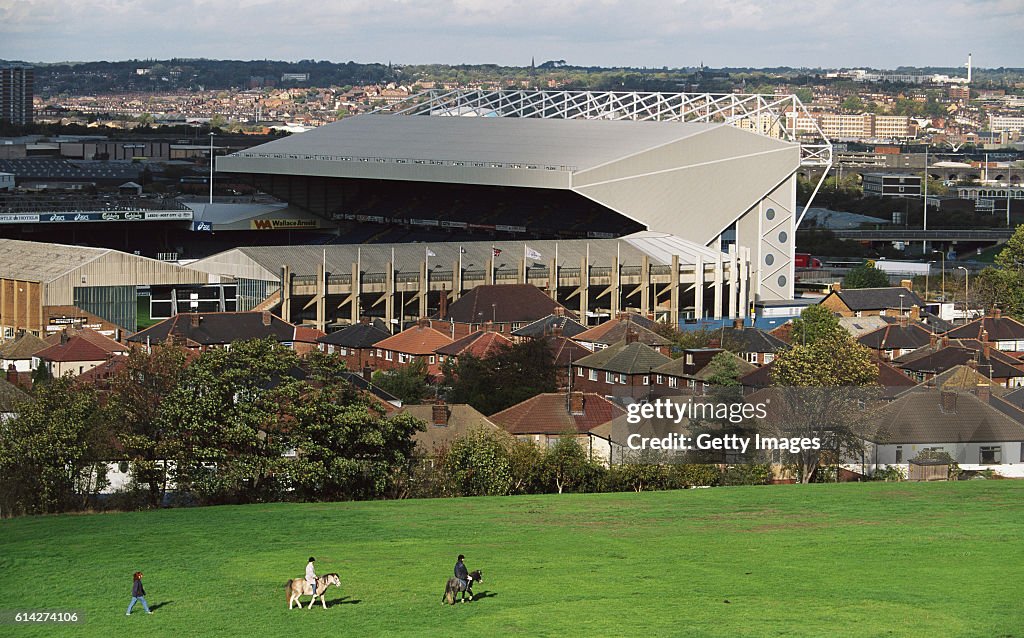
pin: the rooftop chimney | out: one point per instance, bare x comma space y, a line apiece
488, 326
984, 391
933, 339
576, 403
559, 311
367, 373
423, 322
64, 336
945, 341
556, 331
948, 398
996, 313
915, 312
836, 286
632, 337
972, 363
439, 415
904, 321
984, 335
195, 320
908, 284
364, 320
12, 374
738, 323
266, 317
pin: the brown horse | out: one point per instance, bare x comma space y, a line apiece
299, 587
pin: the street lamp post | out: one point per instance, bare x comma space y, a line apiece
926, 274
943, 253
967, 294
211, 166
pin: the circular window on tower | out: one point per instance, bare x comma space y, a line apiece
783, 237
782, 281
770, 214
769, 259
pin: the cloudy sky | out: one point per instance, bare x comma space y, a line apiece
652, 33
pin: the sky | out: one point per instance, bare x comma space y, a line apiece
641, 33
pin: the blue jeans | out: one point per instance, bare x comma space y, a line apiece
137, 599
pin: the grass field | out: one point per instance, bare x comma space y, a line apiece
883, 559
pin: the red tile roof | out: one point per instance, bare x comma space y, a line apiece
308, 334
76, 348
90, 335
549, 414
615, 330
418, 341
481, 344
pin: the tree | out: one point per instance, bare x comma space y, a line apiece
408, 383
815, 322
865, 276
566, 466
822, 389
345, 447
226, 417
53, 454
853, 104
511, 376
478, 464
133, 407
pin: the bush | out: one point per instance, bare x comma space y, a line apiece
747, 474
890, 473
478, 464
694, 475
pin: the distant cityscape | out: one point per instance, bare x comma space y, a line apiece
953, 107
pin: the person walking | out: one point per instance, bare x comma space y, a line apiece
138, 594
311, 574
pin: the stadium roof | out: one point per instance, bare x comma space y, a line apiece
34, 261
570, 144
264, 262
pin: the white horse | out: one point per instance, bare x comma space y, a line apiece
299, 587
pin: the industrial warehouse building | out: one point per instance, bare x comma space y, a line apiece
44, 287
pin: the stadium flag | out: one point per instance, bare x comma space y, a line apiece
531, 253
495, 252
431, 253
462, 251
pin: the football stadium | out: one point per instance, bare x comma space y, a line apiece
567, 190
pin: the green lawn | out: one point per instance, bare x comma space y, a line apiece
941, 559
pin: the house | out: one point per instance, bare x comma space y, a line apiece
979, 431
865, 302
670, 377
892, 380
71, 357
944, 353
201, 331
445, 423
564, 352
481, 344
17, 354
508, 307
753, 345
105, 343
622, 370
690, 372
619, 430
11, 396
557, 323
419, 342
615, 331
1006, 333
547, 417
896, 339
355, 343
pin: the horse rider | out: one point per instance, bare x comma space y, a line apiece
461, 572
311, 574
